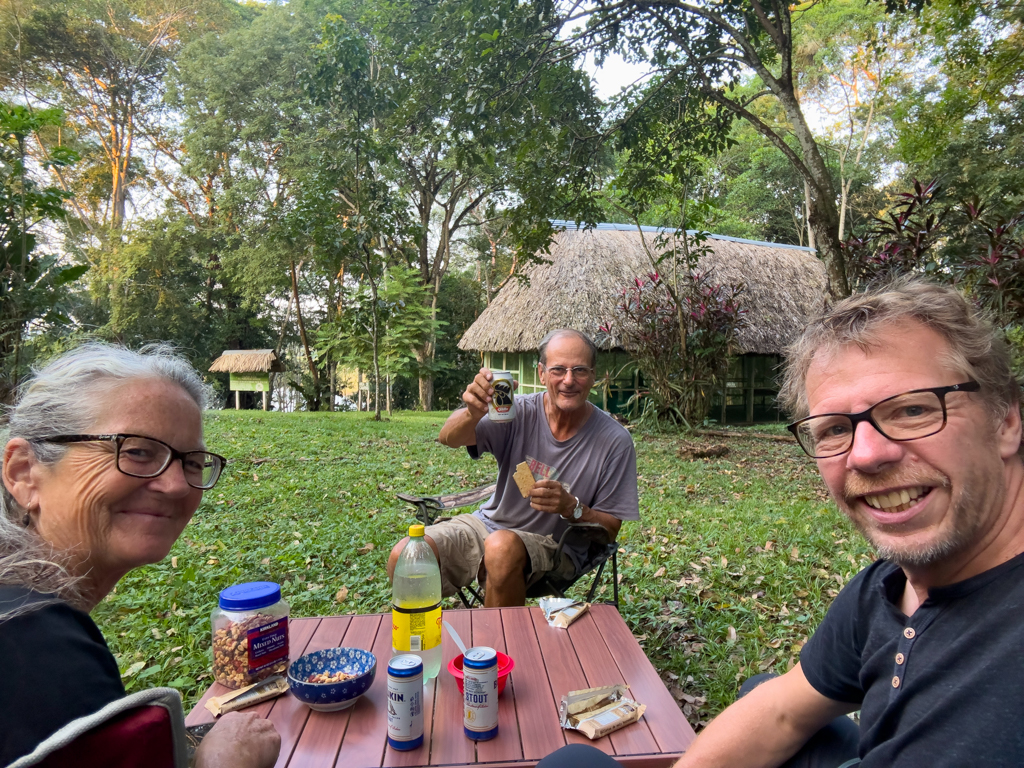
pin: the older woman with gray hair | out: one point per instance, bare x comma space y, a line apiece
104, 465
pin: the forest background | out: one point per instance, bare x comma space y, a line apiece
350, 182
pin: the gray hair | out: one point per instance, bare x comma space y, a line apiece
542, 348
976, 347
65, 397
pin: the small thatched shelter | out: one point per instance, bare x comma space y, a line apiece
580, 287
249, 370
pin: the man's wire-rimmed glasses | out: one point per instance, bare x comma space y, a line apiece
140, 456
560, 371
909, 416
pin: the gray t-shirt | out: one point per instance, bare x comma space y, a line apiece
598, 464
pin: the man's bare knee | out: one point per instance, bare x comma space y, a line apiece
397, 550
393, 557
504, 553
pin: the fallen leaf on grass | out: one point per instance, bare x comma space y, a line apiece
174, 562
731, 634
775, 643
769, 546
367, 547
341, 595
265, 561
660, 572
725, 562
794, 553
134, 669
212, 561
800, 593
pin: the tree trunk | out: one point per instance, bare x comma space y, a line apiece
824, 215
807, 214
314, 402
825, 224
376, 349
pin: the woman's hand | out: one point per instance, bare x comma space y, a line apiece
239, 740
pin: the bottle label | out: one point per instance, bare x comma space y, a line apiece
268, 644
416, 629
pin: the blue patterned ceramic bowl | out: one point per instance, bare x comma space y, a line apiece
330, 697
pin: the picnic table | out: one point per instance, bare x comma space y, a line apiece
598, 649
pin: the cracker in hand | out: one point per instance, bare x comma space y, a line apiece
524, 478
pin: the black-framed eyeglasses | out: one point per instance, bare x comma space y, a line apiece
140, 456
578, 372
909, 416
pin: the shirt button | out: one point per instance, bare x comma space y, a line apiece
896, 682
900, 658
909, 633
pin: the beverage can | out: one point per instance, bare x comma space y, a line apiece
480, 688
503, 403
405, 702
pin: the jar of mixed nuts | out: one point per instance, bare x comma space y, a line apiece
250, 634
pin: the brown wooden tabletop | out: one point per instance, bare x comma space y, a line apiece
598, 649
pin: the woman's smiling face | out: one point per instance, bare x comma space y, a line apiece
111, 521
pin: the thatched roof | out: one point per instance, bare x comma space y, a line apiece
784, 287
247, 361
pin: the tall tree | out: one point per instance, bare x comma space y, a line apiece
32, 283
961, 120
711, 48
480, 123
852, 57
103, 62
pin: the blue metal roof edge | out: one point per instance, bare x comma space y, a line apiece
608, 226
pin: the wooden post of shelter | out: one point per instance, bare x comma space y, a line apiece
748, 363
249, 371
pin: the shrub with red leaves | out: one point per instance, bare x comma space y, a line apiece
680, 335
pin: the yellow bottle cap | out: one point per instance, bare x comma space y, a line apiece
416, 530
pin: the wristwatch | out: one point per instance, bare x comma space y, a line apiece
577, 513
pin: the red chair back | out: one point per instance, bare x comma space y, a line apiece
138, 737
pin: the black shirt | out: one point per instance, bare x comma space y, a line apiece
56, 667
944, 687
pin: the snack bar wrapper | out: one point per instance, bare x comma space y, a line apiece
562, 611
248, 696
596, 712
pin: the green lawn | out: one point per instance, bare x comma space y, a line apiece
732, 566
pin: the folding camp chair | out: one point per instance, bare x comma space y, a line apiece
600, 546
145, 728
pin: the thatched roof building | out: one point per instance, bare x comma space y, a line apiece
582, 284
784, 286
247, 361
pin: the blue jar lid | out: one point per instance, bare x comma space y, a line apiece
408, 665
250, 596
480, 657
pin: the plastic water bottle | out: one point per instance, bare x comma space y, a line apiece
416, 603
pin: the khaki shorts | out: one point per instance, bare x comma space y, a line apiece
460, 542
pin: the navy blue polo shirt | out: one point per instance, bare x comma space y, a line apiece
944, 687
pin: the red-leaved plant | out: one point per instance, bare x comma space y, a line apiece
680, 335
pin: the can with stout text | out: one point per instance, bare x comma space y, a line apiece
502, 407
480, 688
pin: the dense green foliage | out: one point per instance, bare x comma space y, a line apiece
245, 172
731, 567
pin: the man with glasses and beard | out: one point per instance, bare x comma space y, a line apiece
907, 403
583, 458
